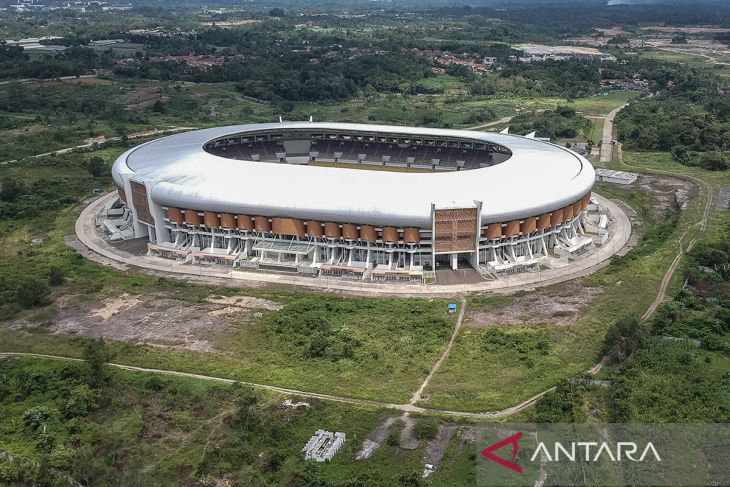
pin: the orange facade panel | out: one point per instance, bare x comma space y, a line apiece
349, 231
577, 208
192, 217
175, 215
368, 233
412, 235
528, 225
122, 195
512, 228
314, 228
543, 222
585, 201
141, 205
332, 230
228, 221
262, 224
455, 229
288, 226
556, 218
493, 231
568, 212
245, 222
390, 234
210, 219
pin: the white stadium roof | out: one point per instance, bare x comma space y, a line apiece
538, 177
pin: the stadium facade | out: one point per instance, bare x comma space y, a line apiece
354, 200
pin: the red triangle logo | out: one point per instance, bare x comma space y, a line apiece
512, 440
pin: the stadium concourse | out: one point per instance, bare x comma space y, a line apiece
358, 202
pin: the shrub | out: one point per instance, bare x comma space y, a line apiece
624, 337
37, 416
426, 428
96, 166
32, 292
80, 402
55, 276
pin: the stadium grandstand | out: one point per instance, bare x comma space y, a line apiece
357, 201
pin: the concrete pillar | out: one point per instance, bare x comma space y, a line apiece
454, 261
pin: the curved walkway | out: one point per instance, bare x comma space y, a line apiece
86, 232
105, 253
411, 406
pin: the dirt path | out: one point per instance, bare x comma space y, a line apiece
702, 224
492, 124
417, 395
102, 139
411, 407
607, 138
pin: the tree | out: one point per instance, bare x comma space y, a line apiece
10, 188
55, 276
97, 355
158, 107
80, 401
96, 166
32, 292
277, 12
713, 161
624, 337
246, 414
37, 416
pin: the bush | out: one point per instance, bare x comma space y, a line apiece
37, 416
61, 457
32, 292
96, 166
624, 337
557, 407
713, 161
426, 428
393, 438
55, 276
80, 402
97, 355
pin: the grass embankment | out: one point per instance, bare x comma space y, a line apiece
145, 429
369, 348
498, 367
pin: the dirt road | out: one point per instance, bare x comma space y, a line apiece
417, 395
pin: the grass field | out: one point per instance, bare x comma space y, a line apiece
479, 377
143, 429
690, 59
602, 104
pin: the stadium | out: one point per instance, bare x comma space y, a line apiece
358, 201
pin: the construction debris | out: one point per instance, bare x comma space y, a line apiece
323, 445
289, 404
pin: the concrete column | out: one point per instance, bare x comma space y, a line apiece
454, 261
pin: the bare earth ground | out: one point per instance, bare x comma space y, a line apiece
437, 447
375, 438
158, 320
666, 188
408, 438
558, 306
